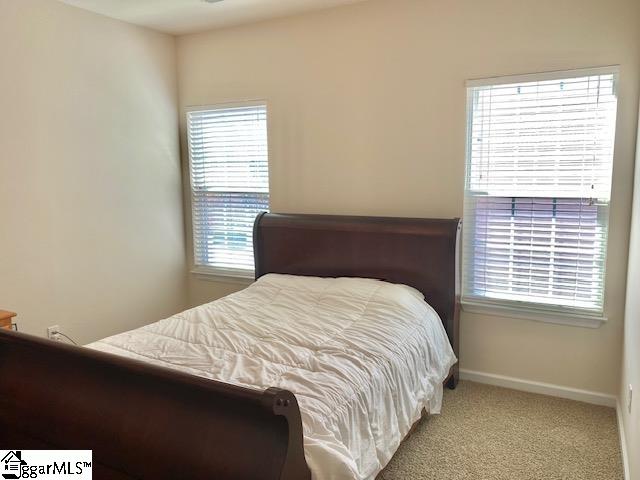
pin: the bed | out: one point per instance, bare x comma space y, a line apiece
224, 407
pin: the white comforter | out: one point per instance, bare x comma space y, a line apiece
362, 356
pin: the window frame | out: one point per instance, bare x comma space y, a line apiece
556, 314
207, 272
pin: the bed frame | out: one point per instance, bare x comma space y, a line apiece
143, 421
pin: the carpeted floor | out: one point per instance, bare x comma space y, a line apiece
491, 433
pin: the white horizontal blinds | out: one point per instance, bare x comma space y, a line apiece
548, 251
230, 183
548, 138
537, 192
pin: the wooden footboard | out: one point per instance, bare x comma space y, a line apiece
143, 421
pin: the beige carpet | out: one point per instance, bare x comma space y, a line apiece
492, 433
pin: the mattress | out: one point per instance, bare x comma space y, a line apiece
363, 357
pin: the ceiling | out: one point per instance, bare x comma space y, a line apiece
187, 16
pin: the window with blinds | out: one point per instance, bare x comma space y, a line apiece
228, 158
538, 185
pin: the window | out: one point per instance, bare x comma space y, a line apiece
538, 185
229, 171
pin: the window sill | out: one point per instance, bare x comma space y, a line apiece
558, 318
224, 276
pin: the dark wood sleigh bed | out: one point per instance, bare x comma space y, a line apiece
143, 421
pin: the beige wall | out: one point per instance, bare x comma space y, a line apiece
91, 228
631, 351
367, 116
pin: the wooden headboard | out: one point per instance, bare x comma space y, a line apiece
419, 252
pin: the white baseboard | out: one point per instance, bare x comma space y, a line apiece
623, 442
586, 396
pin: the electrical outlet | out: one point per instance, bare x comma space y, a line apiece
630, 398
53, 333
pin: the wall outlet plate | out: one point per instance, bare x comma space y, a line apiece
52, 332
630, 398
